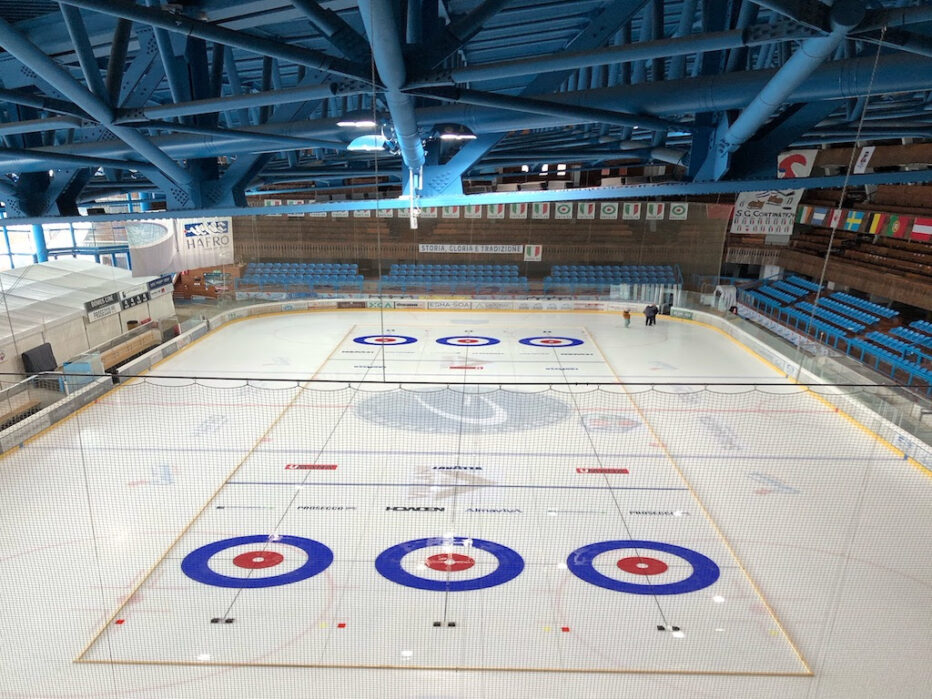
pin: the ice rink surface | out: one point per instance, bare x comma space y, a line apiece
478, 537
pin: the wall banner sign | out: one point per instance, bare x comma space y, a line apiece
471, 249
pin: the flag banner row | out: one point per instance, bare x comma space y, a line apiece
564, 211
902, 226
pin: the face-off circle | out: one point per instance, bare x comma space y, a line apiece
449, 562
385, 340
551, 341
705, 571
196, 564
468, 341
388, 564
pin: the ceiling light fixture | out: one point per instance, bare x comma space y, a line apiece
453, 132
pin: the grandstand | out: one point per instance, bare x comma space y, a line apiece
463, 349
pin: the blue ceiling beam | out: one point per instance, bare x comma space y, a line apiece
236, 86
47, 104
213, 32
335, 30
626, 53
831, 81
36, 125
599, 30
845, 15
683, 29
895, 17
528, 105
636, 192
171, 64
82, 47
33, 58
809, 13
23, 160
379, 20
453, 36
116, 65
902, 40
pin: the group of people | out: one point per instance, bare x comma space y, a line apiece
650, 314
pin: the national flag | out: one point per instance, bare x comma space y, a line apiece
428, 212
853, 220
517, 210
878, 221
540, 209
804, 214
837, 216
819, 215
585, 209
679, 211
495, 211
608, 210
922, 229
532, 253
631, 210
655, 211
897, 226
451, 212
472, 211
563, 210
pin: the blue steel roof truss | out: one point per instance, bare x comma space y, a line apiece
202, 104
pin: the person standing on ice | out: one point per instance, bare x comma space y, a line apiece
650, 314
626, 314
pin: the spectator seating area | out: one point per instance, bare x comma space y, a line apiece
300, 276
601, 277
854, 326
474, 279
864, 305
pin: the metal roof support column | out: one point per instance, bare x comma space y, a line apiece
38, 237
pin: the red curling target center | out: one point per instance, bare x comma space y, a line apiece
449, 562
467, 341
385, 339
254, 560
642, 565
551, 342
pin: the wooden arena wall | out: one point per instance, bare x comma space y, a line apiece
696, 244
